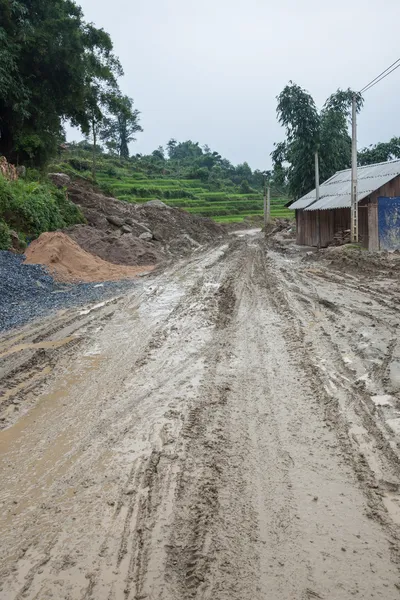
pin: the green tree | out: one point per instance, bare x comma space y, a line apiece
120, 127
309, 131
49, 60
159, 153
380, 152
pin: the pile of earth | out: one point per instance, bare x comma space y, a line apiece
66, 261
281, 234
351, 258
135, 234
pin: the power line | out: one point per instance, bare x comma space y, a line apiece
381, 76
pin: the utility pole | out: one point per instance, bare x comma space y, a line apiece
317, 198
354, 182
267, 202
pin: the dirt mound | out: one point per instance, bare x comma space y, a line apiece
67, 261
137, 234
353, 259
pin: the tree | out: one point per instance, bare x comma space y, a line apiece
49, 60
309, 131
380, 152
171, 145
120, 127
159, 153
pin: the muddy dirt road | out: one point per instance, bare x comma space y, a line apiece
229, 431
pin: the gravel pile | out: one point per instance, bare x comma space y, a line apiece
28, 292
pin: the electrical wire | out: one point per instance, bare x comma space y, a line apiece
381, 76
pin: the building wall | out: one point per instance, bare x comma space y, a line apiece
333, 220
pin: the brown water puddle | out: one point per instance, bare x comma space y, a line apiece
58, 457
38, 346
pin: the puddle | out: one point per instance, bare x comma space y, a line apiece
245, 232
57, 458
384, 400
38, 346
394, 425
16, 433
162, 302
95, 307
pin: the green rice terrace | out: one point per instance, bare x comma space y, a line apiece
229, 197
193, 196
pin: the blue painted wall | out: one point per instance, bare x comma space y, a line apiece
389, 223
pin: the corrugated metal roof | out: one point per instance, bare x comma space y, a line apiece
336, 191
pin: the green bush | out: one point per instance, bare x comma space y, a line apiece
5, 237
106, 188
32, 208
80, 164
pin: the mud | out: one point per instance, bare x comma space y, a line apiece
228, 430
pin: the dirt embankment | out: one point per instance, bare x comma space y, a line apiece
137, 234
67, 261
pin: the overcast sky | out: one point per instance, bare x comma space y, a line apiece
210, 70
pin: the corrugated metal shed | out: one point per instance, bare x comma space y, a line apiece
336, 191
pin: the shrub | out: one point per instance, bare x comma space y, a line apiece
33, 208
5, 237
80, 164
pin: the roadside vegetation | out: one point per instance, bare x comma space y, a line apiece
183, 175
30, 208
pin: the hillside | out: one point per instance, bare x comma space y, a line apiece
217, 193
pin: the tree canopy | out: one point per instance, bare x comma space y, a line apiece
380, 152
309, 131
53, 67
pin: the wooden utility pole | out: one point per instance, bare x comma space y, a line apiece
354, 182
317, 198
267, 203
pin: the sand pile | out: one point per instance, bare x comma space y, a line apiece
68, 262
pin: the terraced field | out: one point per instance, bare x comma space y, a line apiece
193, 196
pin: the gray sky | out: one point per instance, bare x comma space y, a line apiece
210, 70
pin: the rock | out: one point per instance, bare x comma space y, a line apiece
126, 229
157, 235
146, 236
114, 220
157, 203
136, 224
59, 179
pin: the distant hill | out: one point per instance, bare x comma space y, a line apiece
185, 176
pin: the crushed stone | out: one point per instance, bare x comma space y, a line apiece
28, 292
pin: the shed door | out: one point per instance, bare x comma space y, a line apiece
389, 223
